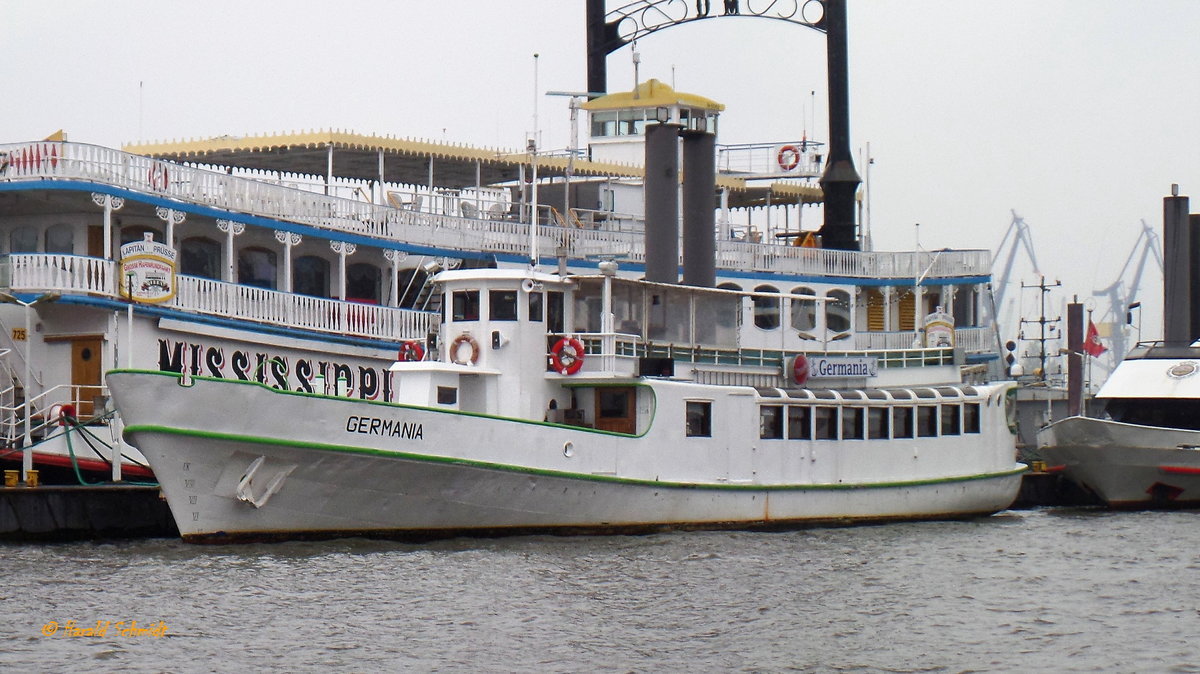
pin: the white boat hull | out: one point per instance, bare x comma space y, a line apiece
230, 470
1126, 465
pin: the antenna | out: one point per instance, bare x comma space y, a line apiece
637, 62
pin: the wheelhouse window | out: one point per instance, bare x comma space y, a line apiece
199, 256
363, 283
502, 305
837, 310
60, 239
535, 306
310, 276
766, 308
256, 267
464, 305
770, 422
699, 419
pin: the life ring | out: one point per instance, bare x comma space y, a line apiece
411, 351
800, 369
159, 179
567, 356
464, 338
788, 157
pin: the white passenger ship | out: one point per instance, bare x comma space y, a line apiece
304, 262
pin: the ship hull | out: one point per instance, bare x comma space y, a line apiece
1126, 465
278, 466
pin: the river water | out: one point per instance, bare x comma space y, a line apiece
1037, 590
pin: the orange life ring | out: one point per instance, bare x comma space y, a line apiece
788, 157
567, 356
159, 179
411, 351
464, 338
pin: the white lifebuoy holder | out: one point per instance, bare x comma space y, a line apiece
456, 346
159, 178
788, 157
567, 356
800, 369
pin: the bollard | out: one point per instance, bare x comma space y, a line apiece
11, 477
31, 478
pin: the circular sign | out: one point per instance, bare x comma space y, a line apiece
1180, 370
800, 370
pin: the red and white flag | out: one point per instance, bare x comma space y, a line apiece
1091, 343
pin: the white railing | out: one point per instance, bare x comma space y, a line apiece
442, 230
795, 159
971, 340
82, 275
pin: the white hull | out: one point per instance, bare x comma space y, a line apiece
1126, 465
313, 472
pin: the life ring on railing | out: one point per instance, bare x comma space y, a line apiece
788, 157
567, 356
61, 414
159, 178
411, 351
467, 339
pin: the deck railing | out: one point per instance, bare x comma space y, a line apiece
71, 274
45, 160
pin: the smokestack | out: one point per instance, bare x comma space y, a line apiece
662, 203
699, 214
1074, 359
840, 181
1177, 273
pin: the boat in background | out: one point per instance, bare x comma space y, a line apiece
1145, 452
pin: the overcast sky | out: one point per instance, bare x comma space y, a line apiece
1078, 114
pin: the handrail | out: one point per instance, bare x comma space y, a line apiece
44, 160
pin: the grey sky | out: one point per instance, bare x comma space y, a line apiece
1079, 114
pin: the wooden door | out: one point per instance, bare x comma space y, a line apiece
85, 372
95, 241
616, 409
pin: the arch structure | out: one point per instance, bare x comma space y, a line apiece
635, 20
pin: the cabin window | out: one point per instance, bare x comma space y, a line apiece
852, 423
555, 311
804, 311
837, 311
770, 422
60, 239
971, 418
627, 309
716, 318
825, 421
670, 316
902, 422
799, 422
927, 421
363, 283
766, 308
878, 423
502, 305
950, 420
256, 267
699, 419
310, 276
535, 306
447, 395
23, 240
199, 256
464, 305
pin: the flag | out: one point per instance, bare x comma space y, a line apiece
1091, 344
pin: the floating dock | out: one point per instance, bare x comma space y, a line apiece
79, 512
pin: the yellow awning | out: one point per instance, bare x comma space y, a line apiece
651, 94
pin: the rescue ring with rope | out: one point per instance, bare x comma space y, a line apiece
467, 339
567, 356
411, 351
159, 179
800, 370
788, 157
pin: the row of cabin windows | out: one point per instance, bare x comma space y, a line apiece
802, 313
465, 305
828, 422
